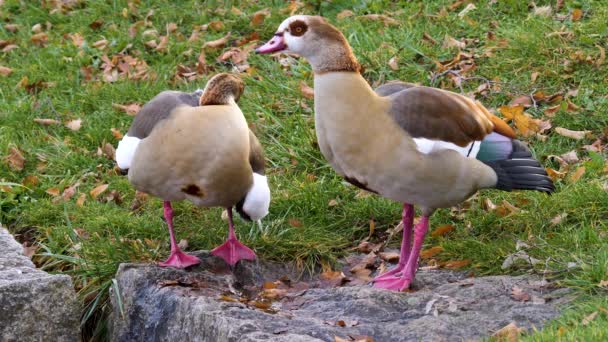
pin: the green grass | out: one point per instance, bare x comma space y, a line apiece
302, 183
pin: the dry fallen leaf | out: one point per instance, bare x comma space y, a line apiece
394, 63
554, 174
577, 174
131, 109
218, 42
74, 125
306, 91
53, 192
442, 230
344, 14
30, 181
456, 264
40, 39
389, 256
81, 199
431, 252
46, 122
294, 222
77, 39
386, 20
589, 318
449, 42
510, 332
5, 71
258, 17
578, 135
15, 159
332, 203
577, 14
603, 283
558, 219
98, 190
116, 133
519, 294
524, 123
162, 45
570, 157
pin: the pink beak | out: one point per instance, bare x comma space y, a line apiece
275, 44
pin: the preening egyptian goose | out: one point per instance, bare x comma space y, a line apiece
198, 147
413, 144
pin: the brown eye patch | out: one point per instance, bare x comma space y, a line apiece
298, 28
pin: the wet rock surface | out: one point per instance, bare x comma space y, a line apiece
34, 305
265, 302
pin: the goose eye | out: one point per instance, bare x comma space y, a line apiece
298, 29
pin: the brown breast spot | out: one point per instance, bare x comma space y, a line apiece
193, 190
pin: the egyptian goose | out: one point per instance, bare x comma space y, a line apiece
198, 147
413, 144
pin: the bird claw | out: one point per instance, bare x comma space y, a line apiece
393, 283
232, 251
180, 259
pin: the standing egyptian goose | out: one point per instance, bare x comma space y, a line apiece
198, 147
416, 145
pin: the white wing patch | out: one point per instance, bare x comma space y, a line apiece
257, 201
125, 151
427, 146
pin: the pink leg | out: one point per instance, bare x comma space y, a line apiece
401, 281
233, 250
406, 242
177, 258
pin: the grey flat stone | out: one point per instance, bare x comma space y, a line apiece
34, 305
165, 304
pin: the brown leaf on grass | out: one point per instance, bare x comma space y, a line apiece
466, 10
570, 157
550, 111
70, 191
386, 20
344, 14
306, 91
47, 122
101, 44
122, 66
510, 333
577, 14
294, 222
9, 47
449, 42
393, 63
431, 252
162, 44
152, 44
456, 264
40, 39
74, 125
258, 17
15, 159
218, 43
216, 25
574, 177
524, 123
603, 283
554, 174
116, 133
602, 57
109, 151
30, 181
12, 28
523, 100
53, 192
427, 37
5, 71
442, 230
332, 203
367, 247
519, 294
558, 219
506, 209
131, 109
77, 39
589, 318
81, 199
96, 24
578, 135
98, 190
140, 199
171, 27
